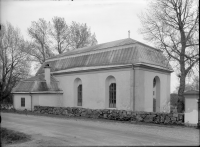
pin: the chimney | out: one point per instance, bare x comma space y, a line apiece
128, 33
47, 75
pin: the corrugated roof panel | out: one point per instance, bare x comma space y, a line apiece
106, 58
100, 58
131, 55
81, 61
96, 59
126, 58
88, 60
116, 56
109, 57
121, 54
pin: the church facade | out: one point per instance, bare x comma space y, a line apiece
123, 74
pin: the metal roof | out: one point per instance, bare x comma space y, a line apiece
116, 43
137, 53
36, 84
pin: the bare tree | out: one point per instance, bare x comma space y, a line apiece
194, 85
60, 33
39, 48
80, 36
12, 59
173, 26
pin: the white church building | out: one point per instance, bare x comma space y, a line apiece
123, 74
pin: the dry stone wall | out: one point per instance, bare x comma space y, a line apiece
113, 114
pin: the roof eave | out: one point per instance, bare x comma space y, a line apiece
153, 67
39, 92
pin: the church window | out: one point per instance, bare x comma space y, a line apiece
79, 90
112, 95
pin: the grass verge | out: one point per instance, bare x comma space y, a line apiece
10, 136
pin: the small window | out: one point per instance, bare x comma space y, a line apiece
112, 95
22, 102
80, 95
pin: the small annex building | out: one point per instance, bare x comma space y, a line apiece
123, 74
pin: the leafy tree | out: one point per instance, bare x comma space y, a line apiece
60, 34
80, 36
39, 48
12, 60
173, 26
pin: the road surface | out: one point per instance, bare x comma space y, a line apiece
51, 131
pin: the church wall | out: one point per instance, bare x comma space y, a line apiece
164, 91
94, 88
144, 90
139, 90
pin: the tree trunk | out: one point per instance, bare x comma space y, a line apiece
181, 90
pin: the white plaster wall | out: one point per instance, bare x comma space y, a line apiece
93, 84
35, 100
17, 101
191, 110
164, 91
139, 90
144, 90
50, 100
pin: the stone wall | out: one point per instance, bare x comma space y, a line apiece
112, 114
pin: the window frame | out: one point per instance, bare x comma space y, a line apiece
22, 102
80, 95
112, 95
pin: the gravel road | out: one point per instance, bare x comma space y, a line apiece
51, 131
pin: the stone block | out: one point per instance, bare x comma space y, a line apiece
175, 114
105, 116
139, 118
167, 120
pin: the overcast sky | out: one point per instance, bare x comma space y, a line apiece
110, 20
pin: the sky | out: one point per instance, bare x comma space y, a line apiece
110, 20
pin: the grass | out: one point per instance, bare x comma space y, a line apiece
10, 136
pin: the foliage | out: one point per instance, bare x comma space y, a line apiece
173, 26
12, 57
80, 36
39, 47
10, 136
177, 101
56, 37
59, 32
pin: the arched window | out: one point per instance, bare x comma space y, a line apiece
79, 90
112, 95
156, 94
111, 92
